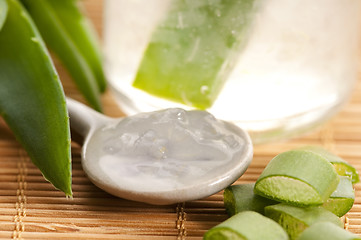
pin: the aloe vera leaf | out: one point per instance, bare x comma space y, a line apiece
239, 198
298, 177
246, 225
294, 220
342, 167
327, 231
3, 12
32, 100
342, 199
193, 50
57, 38
82, 33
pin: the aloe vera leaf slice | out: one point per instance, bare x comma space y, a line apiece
239, 198
82, 32
326, 231
294, 220
32, 100
246, 225
342, 199
342, 167
346, 169
298, 177
3, 12
58, 40
193, 50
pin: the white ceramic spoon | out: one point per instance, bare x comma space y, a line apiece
145, 158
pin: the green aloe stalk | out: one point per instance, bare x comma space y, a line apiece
342, 167
241, 197
295, 220
3, 12
58, 38
342, 199
298, 177
247, 225
32, 100
82, 34
327, 231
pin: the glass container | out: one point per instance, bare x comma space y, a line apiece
283, 67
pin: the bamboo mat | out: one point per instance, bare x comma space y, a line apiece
30, 208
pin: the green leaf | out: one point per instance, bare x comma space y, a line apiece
3, 12
82, 33
58, 39
32, 100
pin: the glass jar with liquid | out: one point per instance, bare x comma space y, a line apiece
276, 68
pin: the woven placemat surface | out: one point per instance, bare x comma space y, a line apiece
30, 208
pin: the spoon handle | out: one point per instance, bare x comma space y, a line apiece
84, 119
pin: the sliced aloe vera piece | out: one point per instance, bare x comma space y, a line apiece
326, 231
295, 219
239, 198
342, 167
57, 39
3, 12
298, 177
246, 225
193, 50
32, 100
345, 169
342, 199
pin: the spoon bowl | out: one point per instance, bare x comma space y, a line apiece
162, 157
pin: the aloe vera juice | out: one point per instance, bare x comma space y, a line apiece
294, 67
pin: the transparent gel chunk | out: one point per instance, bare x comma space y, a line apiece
167, 148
